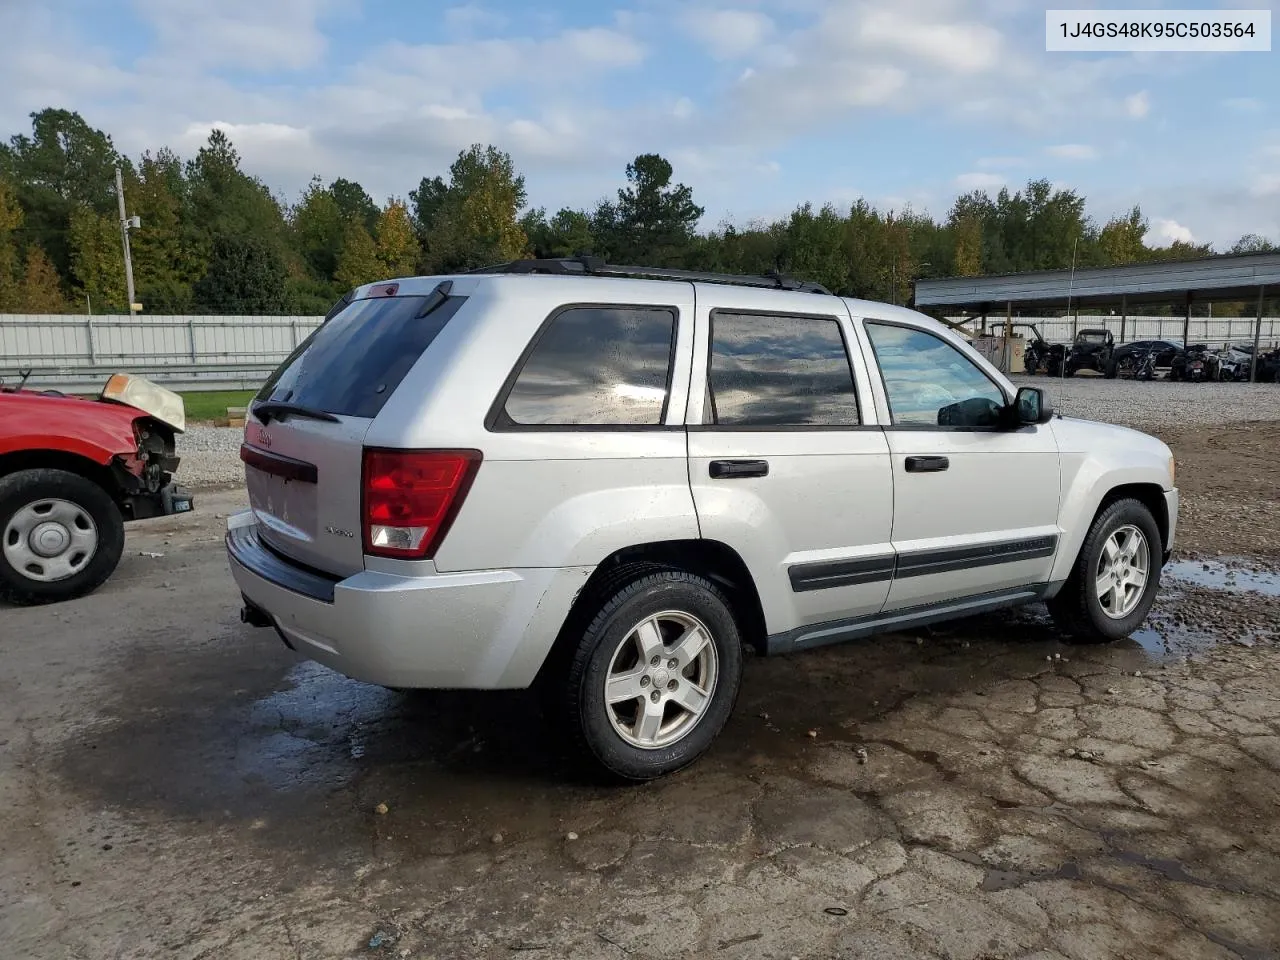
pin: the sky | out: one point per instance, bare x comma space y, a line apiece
759, 104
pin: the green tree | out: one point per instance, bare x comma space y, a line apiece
427, 201
166, 258
355, 204
62, 165
1253, 243
246, 275
318, 228
567, 234
41, 290
1120, 240
812, 247
97, 260
652, 222
396, 243
358, 262
477, 221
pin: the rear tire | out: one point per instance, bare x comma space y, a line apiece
56, 506
664, 714
1101, 601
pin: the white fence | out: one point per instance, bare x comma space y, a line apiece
73, 352
1214, 331
77, 352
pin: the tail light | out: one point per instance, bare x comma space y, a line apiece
411, 498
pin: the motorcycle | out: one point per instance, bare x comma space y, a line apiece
1145, 367
1191, 364
1235, 362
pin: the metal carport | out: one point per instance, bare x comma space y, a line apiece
1236, 277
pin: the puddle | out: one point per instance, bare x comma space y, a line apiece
1160, 643
1218, 576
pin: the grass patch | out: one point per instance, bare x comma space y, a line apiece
212, 404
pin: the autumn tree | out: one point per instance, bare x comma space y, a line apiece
358, 262
476, 221
40, 290
11, 217
397, 247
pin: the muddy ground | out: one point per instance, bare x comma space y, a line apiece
174, 784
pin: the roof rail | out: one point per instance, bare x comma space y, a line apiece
596, 267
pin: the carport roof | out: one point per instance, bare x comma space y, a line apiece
1234, 277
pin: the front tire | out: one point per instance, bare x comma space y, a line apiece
655, 674
61, 536
1116, 576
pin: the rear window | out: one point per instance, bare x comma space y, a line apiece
595, 366
355, 360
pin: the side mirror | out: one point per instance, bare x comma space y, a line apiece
1031, 405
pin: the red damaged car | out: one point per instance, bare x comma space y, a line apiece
72, 472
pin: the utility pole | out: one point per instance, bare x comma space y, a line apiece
125, 224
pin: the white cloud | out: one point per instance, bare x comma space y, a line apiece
1161, 233
1244, 104
979, 181
1138, 105
957, 45
1072, 151
683, 109
727, 34
470, 19
248, 34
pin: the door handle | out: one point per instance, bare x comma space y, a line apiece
927, 464
729, 469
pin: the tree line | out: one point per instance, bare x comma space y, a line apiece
214, 239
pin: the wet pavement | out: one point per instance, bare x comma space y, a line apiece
175, 784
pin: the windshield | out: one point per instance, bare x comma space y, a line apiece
1092, 336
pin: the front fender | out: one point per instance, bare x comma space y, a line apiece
96, 431
1096, 459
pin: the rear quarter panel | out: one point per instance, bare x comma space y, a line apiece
545, 497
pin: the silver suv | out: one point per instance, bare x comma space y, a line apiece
605, 482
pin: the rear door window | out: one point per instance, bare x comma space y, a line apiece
355, 360
595, 366
779, 371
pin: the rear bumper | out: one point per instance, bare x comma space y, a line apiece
488, 629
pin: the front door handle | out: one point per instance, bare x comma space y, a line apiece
729, 469
927, 464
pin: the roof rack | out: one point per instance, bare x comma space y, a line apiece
596, 267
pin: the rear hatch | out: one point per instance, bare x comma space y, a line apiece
304, 439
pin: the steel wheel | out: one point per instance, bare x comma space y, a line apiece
661, 677
1123, 569
50, 539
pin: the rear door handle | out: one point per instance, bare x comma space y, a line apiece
729, 469
927, 464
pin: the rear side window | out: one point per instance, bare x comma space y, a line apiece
595, 366
355, 360
779, 371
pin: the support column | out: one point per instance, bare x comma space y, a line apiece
1124, 314
1006, 366
1186, 325
1257, 339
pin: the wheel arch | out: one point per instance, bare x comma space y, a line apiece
716, 561
47, 459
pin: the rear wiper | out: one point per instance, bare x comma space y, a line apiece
281, 409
